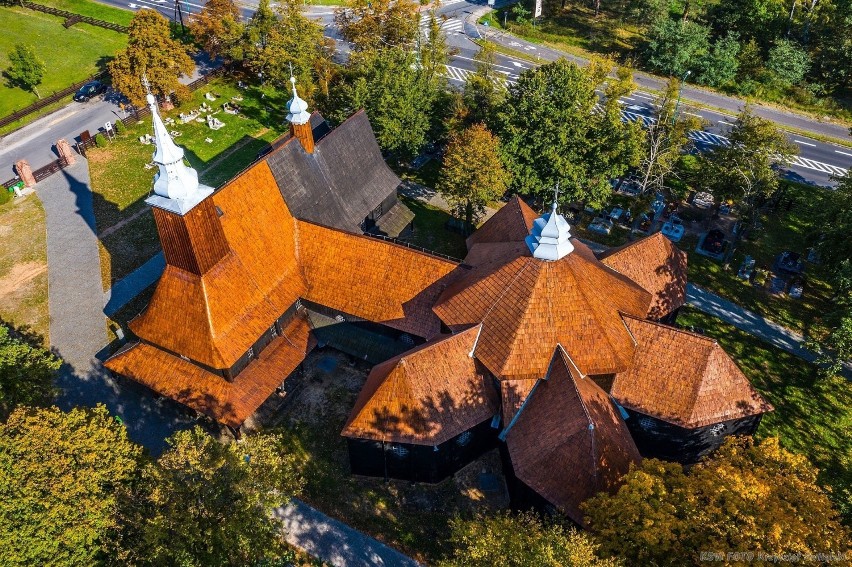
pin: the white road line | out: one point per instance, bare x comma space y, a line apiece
692, 114
643, 96
726, 123
805, 143
844, 153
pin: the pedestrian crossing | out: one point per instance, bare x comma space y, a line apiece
449, 25
459, 75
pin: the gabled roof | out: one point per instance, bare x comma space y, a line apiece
228, 402
425, 396
512, 223
513, 393
527, 306
373, 279
657, 265
684, 378
214, 318
341, 182
569, 442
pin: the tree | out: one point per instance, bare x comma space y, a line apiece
520, 540
788, 62
27, 371
665, 139
218, 28
472, 174
59, 474
150, 52
746, 497
675, 46
743, 169
484, 89
373, 25
397, 96
26, 70
761, 20
433, 52
288, 38
207, 503
553, 130
719, 66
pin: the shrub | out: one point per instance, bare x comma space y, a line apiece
100, 141
120, 128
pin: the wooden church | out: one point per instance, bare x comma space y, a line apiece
532, 344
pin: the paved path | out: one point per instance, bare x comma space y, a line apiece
77, 322
334, 542
133, 284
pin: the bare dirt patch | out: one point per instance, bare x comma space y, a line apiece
19, 276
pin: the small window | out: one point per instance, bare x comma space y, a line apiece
647, 423
273, 330
250, 353
464, 438
399, 451
339, 318
219, 211
718, 429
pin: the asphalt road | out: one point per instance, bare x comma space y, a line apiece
816, 163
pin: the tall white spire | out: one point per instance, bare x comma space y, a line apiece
176, 186
296, 107
550, 237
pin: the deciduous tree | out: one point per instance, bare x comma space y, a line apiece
484, 89
553, 131
218, 28
675, 46
151, 52
666, 138
473, 173
26, 70
27, 371
59, 474
747, 497
207, 503
372, 25
743, 169
520, 540
788, 62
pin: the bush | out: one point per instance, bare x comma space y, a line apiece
100, 141
120, 128
5, 195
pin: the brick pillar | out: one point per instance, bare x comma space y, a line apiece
167, 103
66, 154
25, 172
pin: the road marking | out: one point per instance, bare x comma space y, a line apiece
493, 64
726, 123
642, 95
692, 114
844, 153
805, 143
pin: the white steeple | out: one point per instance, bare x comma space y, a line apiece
297, 108
176, 186
549, 238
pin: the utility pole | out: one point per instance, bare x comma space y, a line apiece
679, 90
179, 16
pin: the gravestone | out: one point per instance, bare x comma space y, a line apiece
25, 172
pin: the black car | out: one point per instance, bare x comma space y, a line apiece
89, 90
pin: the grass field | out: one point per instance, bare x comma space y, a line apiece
813, 415
91, 9
121, 182
23, 265
70, 55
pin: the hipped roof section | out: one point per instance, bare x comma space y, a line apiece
657, 265
511, 223
568, 442
213, 319
527, 306
684, 378
425, 396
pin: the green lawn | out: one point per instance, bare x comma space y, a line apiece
121, 182
70, 55
782, 230
91, 9
813, 415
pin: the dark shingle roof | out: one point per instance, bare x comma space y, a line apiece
341, 182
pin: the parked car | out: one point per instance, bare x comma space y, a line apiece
89, 91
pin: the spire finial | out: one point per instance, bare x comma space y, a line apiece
149, 98
298, 108
556, 196
550, 238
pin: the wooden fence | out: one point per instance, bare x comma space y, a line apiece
48, 100
71, 18
40, 173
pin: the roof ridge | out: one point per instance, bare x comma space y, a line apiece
673, 329
699, 384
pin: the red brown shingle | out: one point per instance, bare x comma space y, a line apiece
512, 223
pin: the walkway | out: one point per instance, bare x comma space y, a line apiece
77, 322
334, 542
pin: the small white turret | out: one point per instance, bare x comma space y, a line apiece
176, 186
297, 108
550, 237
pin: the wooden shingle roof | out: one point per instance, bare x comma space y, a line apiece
684, 378
512, 223
214, 318
425, 396
527, 306
341, 182
568, 442
657, 265
230, 403
373, 279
